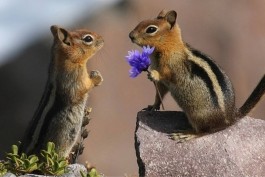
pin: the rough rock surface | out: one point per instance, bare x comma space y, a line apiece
237, 151
9, 175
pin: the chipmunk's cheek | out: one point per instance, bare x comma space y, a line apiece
139, 42
100, 44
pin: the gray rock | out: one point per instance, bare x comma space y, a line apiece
32, 175
74, 171
237, 151
9, 175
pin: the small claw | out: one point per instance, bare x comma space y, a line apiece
150, 77
151, 108
181, 137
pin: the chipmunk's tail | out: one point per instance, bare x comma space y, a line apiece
253, 99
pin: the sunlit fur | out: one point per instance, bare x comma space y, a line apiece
61, 110
198, 84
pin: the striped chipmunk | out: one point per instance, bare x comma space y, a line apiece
199, 86
59, 115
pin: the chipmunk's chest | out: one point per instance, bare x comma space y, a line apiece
73, 86
165, 66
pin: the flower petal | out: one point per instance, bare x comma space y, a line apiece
139, 61
148, 50
134, 72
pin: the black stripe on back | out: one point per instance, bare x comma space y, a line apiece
29, 133
216, 70
198, 71
51, 114
43, 103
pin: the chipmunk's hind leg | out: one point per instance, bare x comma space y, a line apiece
192, 132
183, 135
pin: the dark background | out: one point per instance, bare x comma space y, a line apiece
231, 32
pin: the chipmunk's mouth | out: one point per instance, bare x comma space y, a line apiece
132, 37
135, 41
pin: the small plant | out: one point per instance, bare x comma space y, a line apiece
52, 164
3, 169
20, 164
92, 173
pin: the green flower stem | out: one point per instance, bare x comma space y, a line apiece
160, 97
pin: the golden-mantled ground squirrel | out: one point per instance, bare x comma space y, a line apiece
60, 113
196, 82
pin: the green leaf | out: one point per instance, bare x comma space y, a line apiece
15, 160
40, 165
56, 166
26, 163
63, 163
14, 149
3, 169
23, 156
33, 159
50, 161
10, 155
21, 162
32, 167
12, 158
93, 173
59, 172
55, 156
50, 147
43, 152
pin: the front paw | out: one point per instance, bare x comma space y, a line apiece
96, 77
153, 75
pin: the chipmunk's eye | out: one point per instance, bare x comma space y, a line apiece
151, 29
88, 39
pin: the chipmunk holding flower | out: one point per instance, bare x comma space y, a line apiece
60, 113
199, 86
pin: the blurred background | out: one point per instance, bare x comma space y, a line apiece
231, 32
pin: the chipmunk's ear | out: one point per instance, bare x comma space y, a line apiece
61, 34
162, 14
171, 17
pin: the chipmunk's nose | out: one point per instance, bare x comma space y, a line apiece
131, 36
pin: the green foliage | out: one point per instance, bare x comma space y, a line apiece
92, 173
20, 164
49, 164
52, 164
3, 169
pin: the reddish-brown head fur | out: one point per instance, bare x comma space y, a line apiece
162, 32
75, 47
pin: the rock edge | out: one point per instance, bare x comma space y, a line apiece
237, 151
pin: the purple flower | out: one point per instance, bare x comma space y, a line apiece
139, 61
